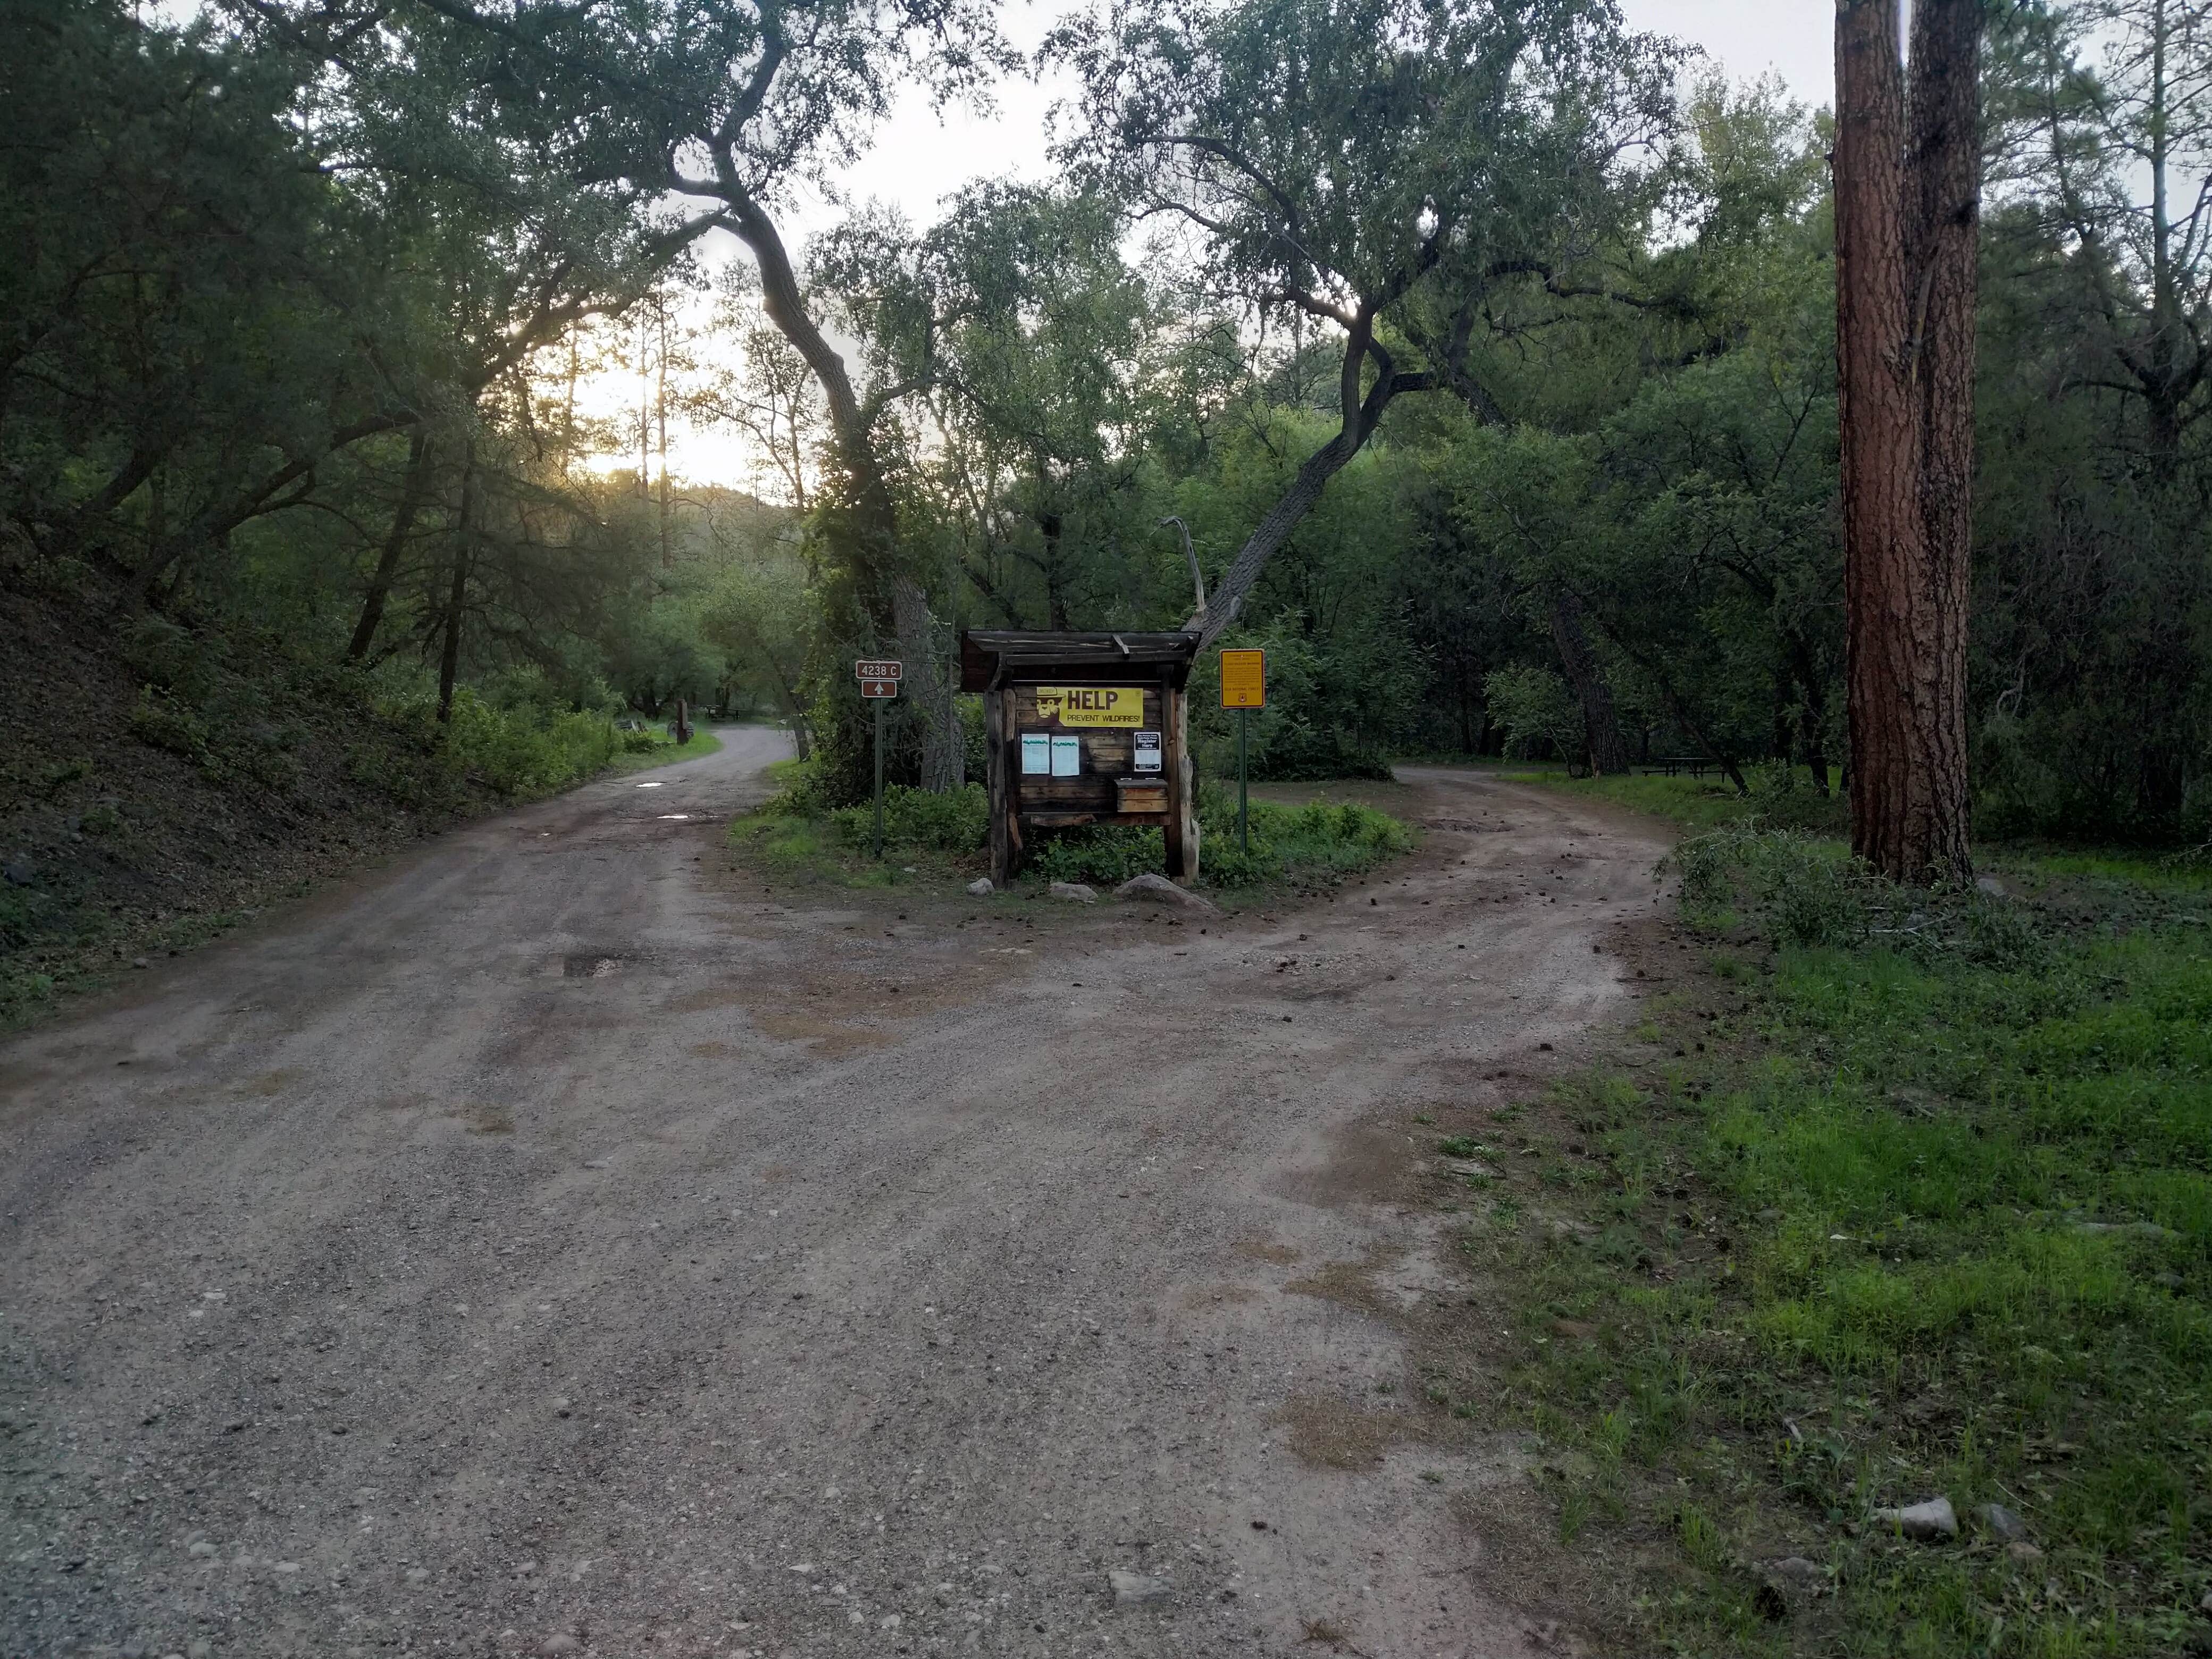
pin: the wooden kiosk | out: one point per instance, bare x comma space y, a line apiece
1086, 728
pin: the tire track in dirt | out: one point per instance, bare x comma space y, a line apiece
529, 1245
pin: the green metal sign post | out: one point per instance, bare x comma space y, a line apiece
1243, 687
1243, 817
879, 683
879, 780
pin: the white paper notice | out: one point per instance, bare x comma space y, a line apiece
1067, 757
1148, 751
1036, 753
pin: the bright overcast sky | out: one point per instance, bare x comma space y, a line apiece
919, 159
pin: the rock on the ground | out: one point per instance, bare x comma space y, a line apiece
1072, 889
2003, 1522
1131, 1587
980, 887
1990, 885
1934, 1518
1160, 890
1796, 1570
560, 1642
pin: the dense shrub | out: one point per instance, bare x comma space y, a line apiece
956, 822
517, 751
804, 790
1104, 856
1809, 893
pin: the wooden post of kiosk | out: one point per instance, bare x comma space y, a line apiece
1085, 729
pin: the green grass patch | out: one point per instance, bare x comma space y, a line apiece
1779, 797
1855, 1224
796, 838
663, 751
1303, 846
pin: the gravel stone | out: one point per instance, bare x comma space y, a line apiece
1927, 1521
1073, 890
1133, 1589
1160, 890
2002, 1523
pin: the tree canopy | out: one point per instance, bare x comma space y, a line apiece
1483, 352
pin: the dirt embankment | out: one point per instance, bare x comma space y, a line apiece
158, 782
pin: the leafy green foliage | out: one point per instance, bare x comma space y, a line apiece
1105, 856
1319, 842
958, 821
1535, 712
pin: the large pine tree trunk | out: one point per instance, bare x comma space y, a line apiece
1904, 297
1946, 155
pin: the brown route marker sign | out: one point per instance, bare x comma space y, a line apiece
1243, 679
879, 676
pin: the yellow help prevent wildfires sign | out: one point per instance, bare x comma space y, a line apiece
1092, 705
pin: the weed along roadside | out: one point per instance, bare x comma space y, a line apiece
1857, 1296
210, 775
942, 841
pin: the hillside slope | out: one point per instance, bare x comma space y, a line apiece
159, 782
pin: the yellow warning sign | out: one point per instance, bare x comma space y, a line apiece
1092, 705
1243, 679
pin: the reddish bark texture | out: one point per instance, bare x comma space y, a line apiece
1907, 169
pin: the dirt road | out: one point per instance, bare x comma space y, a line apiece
559, 1242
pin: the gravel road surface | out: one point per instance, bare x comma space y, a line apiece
561, 1240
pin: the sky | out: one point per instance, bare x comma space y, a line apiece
920, 158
